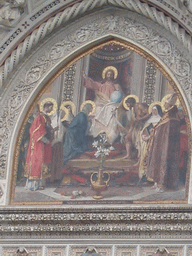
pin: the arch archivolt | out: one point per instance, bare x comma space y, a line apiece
81, 8
70, 43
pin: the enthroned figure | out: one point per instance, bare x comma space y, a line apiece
108, 96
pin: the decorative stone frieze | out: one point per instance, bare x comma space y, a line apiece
170, 223
117, 24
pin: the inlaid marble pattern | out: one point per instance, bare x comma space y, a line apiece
12, 251
81, 250
125, 250
172, 250
55, 251
189, 251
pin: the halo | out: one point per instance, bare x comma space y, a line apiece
69, 103
66, 111
164, 100
88, 102
127, 97
42, 103
110, 68
153, 104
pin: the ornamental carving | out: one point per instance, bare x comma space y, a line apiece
128, 224
10, 11
116, 24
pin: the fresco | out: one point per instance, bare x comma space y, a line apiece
111, 129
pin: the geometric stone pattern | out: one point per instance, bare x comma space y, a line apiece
150, 223
69, 83
144, 223
189, 251
126, 250
56, 251
172, 250
135, 5
118, 25
150, 79
12, 251
44, 9
101, 250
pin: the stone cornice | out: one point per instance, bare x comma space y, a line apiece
140, 223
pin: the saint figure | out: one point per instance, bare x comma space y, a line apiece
38, 160
163, 152
156, 113
75, 142
62, 120
108, 96
137, 115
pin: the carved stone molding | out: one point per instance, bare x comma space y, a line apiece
14, 251
10, 11
65, 44
158, 223
81, 8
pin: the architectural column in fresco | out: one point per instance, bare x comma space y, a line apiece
68, 85
163, 87
137, 81
58, 85
158, 85
149, 83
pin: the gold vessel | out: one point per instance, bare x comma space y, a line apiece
99, 185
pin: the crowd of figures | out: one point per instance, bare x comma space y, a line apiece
43, 147
155, 135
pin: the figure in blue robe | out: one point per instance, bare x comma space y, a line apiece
75, 138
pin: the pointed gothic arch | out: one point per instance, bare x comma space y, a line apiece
68, 44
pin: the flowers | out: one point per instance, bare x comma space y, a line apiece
103, 148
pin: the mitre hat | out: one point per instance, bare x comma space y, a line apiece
172, 99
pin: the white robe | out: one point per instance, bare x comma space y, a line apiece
105, 118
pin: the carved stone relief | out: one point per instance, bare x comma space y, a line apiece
125, 250
28, 251
81, 8
10, 11
56, 251
162, 250
187, 4
90, 250
24, 85
109, 249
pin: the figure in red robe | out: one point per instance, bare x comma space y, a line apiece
38, 160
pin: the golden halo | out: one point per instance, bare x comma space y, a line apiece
127, 97
153, 104
66, 111
42, 103
110, 68
165, 99
69, 103
88, 102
